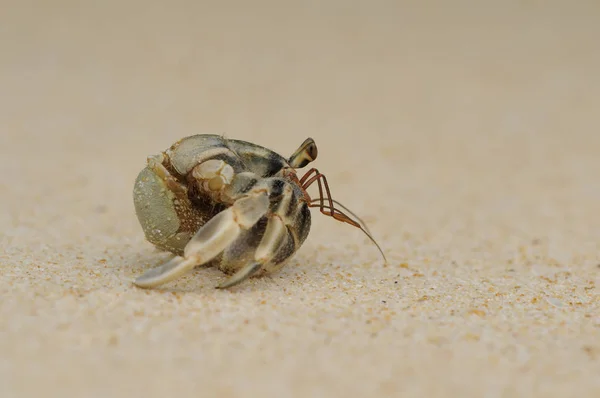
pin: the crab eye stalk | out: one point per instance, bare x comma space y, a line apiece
306, 153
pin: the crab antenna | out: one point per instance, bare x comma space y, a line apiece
321, 180
347, 210
339, 216
375, 243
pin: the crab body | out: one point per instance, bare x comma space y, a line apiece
228, 203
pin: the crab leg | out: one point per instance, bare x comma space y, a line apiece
210, 240
269, 245
275, 240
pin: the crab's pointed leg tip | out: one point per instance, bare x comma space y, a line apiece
223, 285
146, 281
240, 276
139, 282
167, 272
226, 284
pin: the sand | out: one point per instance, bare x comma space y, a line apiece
466, 135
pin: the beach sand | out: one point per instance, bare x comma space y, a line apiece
467, 136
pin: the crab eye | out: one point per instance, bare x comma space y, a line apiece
306, 153
311, 150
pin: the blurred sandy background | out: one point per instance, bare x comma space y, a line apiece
466, 133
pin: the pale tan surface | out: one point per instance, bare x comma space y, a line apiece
467, 136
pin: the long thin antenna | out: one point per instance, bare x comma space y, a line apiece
348, 220
347, 210
330, 210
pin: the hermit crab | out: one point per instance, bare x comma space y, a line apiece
210, 200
